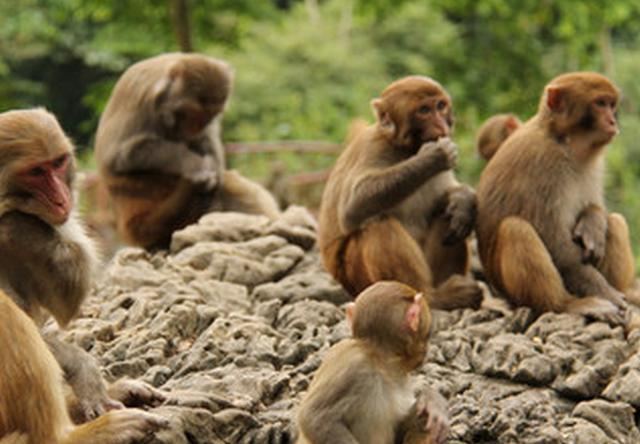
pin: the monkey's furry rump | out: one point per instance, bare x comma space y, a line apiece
233, 320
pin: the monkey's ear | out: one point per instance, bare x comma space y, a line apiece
350, 312
414, 313
554, 98
511, 123
384, 118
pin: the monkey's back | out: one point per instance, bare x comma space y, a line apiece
331, 232
349, 390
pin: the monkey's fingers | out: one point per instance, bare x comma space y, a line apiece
135, 393
437, 427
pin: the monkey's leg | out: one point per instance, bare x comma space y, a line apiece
151, 226
529, 277
445, 260
383, 250
245, 196
449, 266
618, 263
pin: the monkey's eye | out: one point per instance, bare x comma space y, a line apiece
441, 105
60, 161
424, 109
601, 103
35, 172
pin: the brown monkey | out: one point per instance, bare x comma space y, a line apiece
362, 393
46, 259
32, 405
158, 149
392, 208
493, 132
545, 238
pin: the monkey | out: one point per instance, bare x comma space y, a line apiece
392, 208
545, 238
493, 132
159, 152
362, 393
47, 261
32, 405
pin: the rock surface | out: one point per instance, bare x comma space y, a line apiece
233, 320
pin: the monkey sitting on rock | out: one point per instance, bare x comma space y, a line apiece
159, 152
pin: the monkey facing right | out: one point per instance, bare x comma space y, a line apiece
362, 392
545, 237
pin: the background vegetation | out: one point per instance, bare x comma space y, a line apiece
306, 68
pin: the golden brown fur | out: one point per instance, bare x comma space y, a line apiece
159, 151
32, 406
392, 208
544, 236
362, 392
493, 132
47, 261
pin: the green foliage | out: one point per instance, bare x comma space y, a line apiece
306, 68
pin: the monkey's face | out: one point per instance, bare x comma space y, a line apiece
430, 119
414, 110
36, 165
43, 188
601, 119
582, 106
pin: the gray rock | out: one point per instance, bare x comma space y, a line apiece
234, 319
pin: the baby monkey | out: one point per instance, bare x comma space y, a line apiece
362, 393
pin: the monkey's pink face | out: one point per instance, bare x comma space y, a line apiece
46, 184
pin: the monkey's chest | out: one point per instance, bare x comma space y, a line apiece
387, 405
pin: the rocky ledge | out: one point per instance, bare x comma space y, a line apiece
233, 320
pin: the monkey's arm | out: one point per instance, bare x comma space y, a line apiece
31, 248
461, 211
83, 376
147, 153
382, 188
590, 233
427, 422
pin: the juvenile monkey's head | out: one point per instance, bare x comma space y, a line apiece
494, 131
412, 111
36, 165
194, 90
581, 104
394, 317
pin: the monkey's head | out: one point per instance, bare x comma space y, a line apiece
394, 317
581, 104
36, 165
192, 93
412, 111
494, 131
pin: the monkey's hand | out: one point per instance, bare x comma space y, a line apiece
91, 398
432, 409
443, 153
202, 172
461, 213
590, 234
134, 393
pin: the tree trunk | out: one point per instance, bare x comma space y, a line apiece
181, 24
